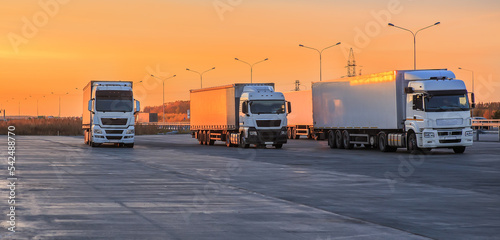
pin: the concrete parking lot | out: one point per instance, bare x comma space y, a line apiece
169, 187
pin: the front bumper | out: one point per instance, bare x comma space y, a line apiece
114, 136
445, 138
267, 137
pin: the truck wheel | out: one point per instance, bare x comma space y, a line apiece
228, 140
412, 144
295, 136
129, 145
243, 143
93, 144
200, 137
278, 146
338, 139
382, 142
331, 139
347, 140
289, 133
459, 149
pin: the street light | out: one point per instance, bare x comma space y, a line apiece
163, 102
201, 74
320, 53
472, 76
414, 40
251, 66
60, 102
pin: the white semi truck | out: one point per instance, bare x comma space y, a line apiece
300, 121
239, 115
108, 113
419, 110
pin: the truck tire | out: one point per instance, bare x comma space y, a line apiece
382, 143
243, 143
93, 144
200, 137
331, 139
278, 146
412, 144
346, 138
459, 150
338, 139
228, 140
289, 133
129, 145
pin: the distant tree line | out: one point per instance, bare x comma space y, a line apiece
489, 110
178, 107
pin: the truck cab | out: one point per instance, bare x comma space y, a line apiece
437, 113
263, 117
110, 117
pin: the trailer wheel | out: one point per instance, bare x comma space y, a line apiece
459, 150
199, 135
347, 140
338, 139
331, 139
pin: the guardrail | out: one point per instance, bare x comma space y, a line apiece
179, 126
486, 126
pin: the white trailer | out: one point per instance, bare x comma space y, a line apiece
418, 110
300, 120
239, 115
108, 113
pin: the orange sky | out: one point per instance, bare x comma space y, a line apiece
67, 43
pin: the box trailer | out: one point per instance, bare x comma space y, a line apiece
300, 120
108, 113
239, 115
418, 110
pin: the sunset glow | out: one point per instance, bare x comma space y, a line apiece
51, 49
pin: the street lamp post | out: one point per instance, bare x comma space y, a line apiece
201, 74
163, 102
251, 66
472, 76
60, 102
320, 56
414, 40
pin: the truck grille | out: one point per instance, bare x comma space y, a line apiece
114, 131
450, 141
450, 133
114, 137
268, 123
114, 121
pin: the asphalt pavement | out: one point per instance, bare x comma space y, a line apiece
169, 187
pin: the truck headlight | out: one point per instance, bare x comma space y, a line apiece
130, 131
283, 132
429, 135
252, 133
97, 131
469, 133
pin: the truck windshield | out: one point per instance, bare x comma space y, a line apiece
269, 107
446, 103
114, 101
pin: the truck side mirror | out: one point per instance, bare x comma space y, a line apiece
473, 105
418, 103
289, 106
244, 107
137, 106
90, 106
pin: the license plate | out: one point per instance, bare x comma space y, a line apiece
450, 138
